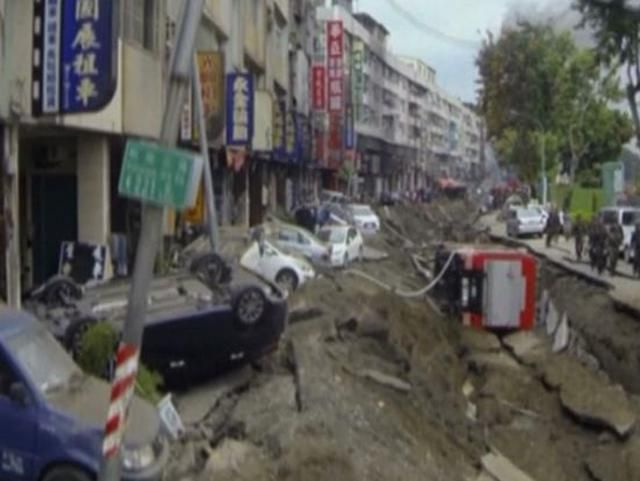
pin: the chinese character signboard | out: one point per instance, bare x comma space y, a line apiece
240, 109
335, 141
279, 141
357, 77
349, 130
211, 70
290, 134
335, 66
152, 173
319, 87
76, 52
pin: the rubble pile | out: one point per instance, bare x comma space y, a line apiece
368, 385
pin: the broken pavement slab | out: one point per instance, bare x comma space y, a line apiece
502, 469
479, 340
384, 380
527, 347
615, 462
589, 397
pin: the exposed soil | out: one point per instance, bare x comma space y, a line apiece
370, 386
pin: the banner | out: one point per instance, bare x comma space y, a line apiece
335, 65
290, 134
240, 109
211, 69
319, 87
349, 128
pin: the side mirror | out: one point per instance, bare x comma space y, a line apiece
18, 394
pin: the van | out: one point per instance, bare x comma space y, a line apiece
627, 217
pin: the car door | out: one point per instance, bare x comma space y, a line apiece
270, 263
288, 239
18, 430
352, 244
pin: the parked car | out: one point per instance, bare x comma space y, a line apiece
627, 217
193, 329
332, 197
526, 221
346, 243
301, 241
364, 218
52, 414
287, 270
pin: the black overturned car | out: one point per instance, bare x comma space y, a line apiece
193, 329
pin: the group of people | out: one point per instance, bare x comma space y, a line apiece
605, 243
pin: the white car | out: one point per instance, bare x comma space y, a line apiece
364, 218
346, 243
526, 221
301, 241
287, 271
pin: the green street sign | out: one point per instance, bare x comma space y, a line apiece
158, 175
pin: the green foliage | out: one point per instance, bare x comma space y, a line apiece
584, 201
617, 34
537, 87
97, 348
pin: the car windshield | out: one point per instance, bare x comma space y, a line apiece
48, 366
361, 210
333, 236
529, 213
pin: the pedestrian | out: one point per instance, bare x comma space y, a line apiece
553, 226
597, 244
579, 231
615, 240
635, 249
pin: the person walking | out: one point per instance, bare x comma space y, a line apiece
615, 240
635, 249
579, 232
553, 226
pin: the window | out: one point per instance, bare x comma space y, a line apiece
140, 23
630, 218
288, 236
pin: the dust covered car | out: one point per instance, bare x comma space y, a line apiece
193, 329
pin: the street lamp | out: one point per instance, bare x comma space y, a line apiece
543, 151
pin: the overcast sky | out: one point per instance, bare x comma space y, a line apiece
464, 19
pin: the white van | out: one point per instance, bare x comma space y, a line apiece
627, 217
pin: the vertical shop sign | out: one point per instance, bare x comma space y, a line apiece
76, 55
357, 78
240, 109
291, 133
279, 130
349, 130
319, 87
335, 65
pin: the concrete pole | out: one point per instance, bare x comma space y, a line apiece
543, 157
181, 66
209, 194
12, 214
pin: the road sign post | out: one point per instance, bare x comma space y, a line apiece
153, 214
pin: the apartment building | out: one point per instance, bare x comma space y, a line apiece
409, 129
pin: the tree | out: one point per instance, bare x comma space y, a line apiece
537, 88
617, 31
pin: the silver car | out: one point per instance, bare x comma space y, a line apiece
526, 221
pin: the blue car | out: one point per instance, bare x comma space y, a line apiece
52, 414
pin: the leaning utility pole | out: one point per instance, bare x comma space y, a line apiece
180, 69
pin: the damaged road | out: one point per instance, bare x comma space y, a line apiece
367, 385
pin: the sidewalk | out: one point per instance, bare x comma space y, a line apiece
623, 288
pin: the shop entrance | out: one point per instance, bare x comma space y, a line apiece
54, 214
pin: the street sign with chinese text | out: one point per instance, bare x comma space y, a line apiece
240, 109
319, 87
290, 132
349, 128
76, 56
335, 65
279, 140
357, 65
211, 70
159, 175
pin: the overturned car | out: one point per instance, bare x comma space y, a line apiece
194, 327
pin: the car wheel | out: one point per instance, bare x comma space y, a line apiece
287, 279
211, 269
61, 291
67, 473
249, 306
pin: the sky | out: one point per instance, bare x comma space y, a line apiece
468, 20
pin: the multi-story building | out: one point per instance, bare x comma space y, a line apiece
409, 130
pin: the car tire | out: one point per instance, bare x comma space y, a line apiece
67, 473
287, 279
249, 307
211, 269
61, 291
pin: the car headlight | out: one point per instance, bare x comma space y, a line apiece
138, 458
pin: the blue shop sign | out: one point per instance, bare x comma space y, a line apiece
77, 48
349, 128
240, 109
291, 131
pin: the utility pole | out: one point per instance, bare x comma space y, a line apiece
181, 67
209, 194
